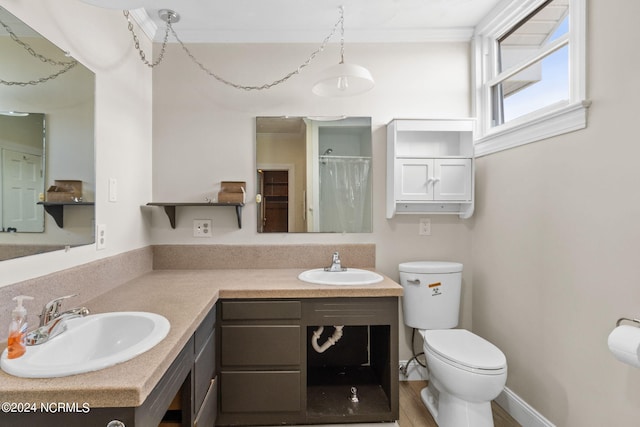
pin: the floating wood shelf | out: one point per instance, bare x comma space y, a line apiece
56, 209
170, 209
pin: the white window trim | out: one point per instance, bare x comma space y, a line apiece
556, 119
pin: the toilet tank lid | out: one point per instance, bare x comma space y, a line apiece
430, 267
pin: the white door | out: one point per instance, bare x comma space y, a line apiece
22, 184
414, 180
452, 180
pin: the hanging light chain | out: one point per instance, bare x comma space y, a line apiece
204, 68
341, 9
136, 42
67, 65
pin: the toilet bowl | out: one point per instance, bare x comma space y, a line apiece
466, 371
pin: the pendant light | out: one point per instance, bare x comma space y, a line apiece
343, 79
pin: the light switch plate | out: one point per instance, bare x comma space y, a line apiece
113, 190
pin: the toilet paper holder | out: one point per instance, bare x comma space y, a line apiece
626, 319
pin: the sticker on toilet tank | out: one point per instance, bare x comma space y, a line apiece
435, 289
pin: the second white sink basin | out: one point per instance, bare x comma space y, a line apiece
351, 276
90, 343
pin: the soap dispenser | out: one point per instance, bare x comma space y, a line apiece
18, 328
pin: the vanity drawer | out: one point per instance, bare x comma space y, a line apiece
261, 310
205, 328
203, 371
207, 415
260, 391
351, 311
260, 345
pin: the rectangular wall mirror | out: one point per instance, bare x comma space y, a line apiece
314, 174
46, 135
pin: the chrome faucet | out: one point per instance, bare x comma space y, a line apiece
53, 322
336, 264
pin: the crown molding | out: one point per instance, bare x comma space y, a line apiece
421, 35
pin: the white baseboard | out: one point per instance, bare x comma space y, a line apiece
520, 410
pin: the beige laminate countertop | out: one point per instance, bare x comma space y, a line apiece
184, 297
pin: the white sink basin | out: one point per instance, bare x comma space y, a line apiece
351, 276
90, 343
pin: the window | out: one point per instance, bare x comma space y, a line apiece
530, 79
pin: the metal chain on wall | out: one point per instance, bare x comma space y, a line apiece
339, 24
67, 65
136, 42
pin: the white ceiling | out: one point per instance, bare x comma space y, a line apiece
274, 21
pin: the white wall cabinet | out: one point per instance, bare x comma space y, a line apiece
430, 167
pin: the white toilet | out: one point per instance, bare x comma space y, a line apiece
466, 372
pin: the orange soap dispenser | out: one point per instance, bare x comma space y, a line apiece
17, 329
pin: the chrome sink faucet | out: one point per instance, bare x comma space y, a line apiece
53, 322
51, 310
336, 264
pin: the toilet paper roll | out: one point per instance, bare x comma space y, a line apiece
624, 343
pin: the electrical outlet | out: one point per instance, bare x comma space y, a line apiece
201, 228
425, 227
101, 236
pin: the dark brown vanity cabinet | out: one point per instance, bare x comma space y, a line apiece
261, 354
204, 399
195, 402
270, 374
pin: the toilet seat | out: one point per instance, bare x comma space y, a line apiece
465, 350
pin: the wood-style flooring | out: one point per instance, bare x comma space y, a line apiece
413, 413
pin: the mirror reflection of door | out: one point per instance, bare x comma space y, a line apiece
329, 162
22, 149
275, 200
22, 184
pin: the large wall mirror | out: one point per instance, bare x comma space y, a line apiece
46, 138
314, 174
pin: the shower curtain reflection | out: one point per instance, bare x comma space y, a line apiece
344, 183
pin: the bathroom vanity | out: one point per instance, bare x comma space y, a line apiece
269, 374
186, 395
237, 354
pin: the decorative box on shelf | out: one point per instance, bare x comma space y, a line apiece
65, 191
232, 192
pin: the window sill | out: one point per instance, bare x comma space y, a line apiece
563, 120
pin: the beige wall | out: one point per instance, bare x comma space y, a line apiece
555, 244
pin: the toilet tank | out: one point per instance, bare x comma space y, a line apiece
431, 297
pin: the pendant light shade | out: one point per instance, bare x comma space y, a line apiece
343, 80
13, 113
